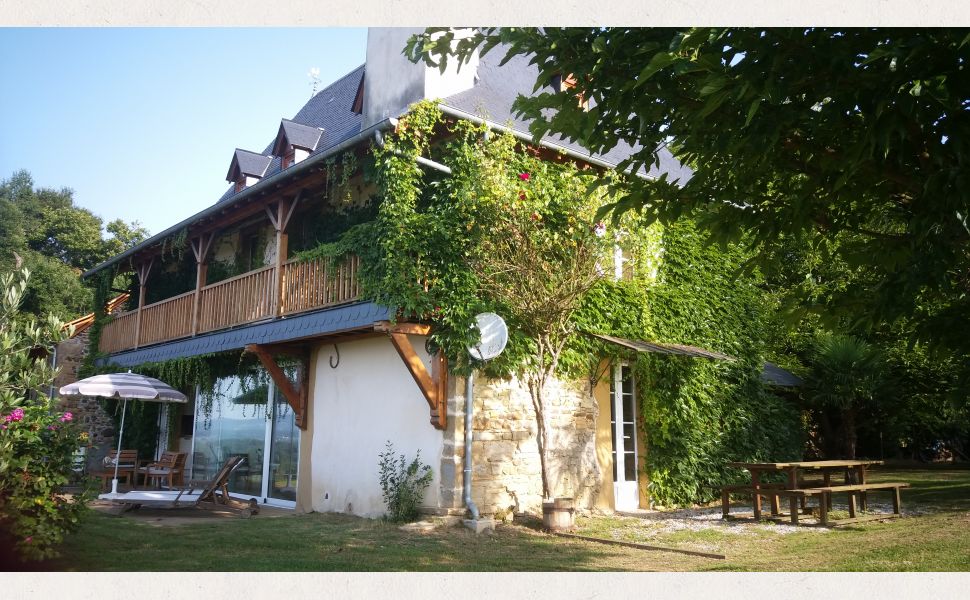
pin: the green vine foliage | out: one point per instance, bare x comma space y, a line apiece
700, 414
428, 253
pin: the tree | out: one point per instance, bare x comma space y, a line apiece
846, 373
57, 241
36, 442
544, 253
792, 134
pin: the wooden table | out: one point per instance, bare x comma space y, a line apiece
794, 469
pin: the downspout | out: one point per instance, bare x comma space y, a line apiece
53, 366
379, 138
467, 479
469, 404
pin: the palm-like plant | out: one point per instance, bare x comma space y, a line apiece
846, 372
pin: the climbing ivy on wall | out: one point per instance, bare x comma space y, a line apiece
698, 413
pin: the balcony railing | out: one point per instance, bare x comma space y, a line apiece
251, 297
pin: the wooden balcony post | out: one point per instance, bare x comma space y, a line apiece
200, 247
143, 270
280, 219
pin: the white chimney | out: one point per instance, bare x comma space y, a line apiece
392, 82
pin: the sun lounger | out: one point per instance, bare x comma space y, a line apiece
212, 494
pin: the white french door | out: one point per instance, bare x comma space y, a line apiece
626, 493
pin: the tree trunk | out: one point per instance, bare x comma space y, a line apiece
848, 432
537, 390
829, 441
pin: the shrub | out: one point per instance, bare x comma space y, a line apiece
403, 484
36, 442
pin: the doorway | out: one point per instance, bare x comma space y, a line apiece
626, 491
251, 420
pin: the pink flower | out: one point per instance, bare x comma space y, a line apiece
524, 176
521, 195
3, 426
66, 417
28, 539
52, 427
16, 415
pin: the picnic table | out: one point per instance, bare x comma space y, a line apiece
798, 488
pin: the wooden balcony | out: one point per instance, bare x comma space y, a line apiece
267, 293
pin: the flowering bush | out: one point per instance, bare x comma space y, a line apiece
36, 442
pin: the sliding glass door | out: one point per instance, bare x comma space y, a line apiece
255, 422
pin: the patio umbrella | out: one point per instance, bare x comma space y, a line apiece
127, 386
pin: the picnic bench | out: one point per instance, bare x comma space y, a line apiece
798, 489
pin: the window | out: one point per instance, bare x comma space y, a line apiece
562, 83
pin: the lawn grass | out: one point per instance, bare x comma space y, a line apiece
937, 540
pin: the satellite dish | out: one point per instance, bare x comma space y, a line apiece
492, 338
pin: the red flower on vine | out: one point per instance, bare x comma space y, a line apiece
521, 195
524, 176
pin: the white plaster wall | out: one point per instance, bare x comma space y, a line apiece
368, 399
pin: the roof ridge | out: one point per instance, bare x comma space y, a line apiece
332, 84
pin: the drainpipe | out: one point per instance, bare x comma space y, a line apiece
379, 138
53, 366
467, 480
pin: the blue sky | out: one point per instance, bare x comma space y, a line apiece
142, 123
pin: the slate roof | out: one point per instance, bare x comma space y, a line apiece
489, 98
330, 110
332, 320
497, 86
772, 374
298, 135
248, 163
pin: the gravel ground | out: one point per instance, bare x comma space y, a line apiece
652, 524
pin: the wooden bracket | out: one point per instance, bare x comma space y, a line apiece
143, 270
432, 385
296, 397
200, 246
284, 210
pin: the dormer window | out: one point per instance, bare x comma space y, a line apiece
289, 157
247, 168
566, 83
295, 141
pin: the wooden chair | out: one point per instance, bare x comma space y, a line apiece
170, 465
213, 494
127, 464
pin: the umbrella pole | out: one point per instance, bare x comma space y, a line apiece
121, 430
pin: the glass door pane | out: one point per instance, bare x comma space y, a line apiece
236, 425
284, 451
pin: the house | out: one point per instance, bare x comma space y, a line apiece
346, 376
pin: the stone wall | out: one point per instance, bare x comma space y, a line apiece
87, 411
506, 473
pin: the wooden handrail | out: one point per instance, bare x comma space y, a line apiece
160, 302
244, 298
236, 277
